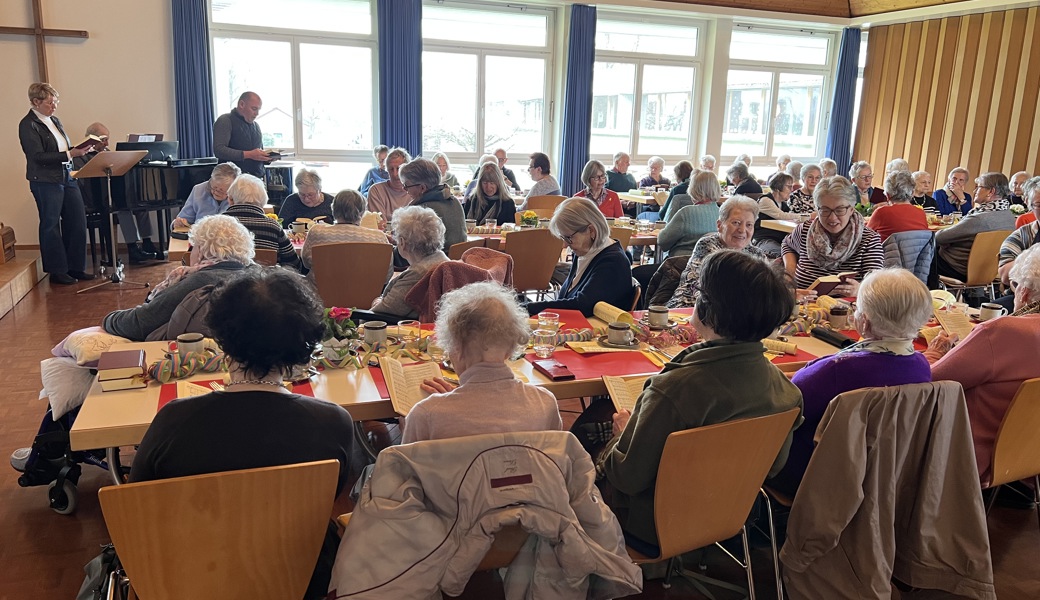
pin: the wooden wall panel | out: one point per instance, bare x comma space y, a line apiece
959, 91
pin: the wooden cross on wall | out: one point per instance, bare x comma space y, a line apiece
39, 32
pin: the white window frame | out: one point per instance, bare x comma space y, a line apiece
482, 51
296, 37
641, 60
825, 70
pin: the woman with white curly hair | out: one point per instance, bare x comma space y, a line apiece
221, 248
480, 327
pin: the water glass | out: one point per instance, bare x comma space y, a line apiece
471, 224
408, 331
435, 351
491, 223
549, 321
544, 343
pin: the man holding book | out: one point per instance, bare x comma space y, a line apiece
237, 137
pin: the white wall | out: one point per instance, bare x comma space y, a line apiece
121, 76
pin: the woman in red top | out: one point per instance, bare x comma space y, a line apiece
594, 176
899, 214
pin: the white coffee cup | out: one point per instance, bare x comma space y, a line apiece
620, 334
375, 332
989, 310
190, 342
658, 316
300, 227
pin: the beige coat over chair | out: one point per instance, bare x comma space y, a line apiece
891, 490
431, 510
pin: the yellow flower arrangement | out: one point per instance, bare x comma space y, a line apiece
529, 217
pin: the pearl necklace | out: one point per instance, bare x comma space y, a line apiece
277, 384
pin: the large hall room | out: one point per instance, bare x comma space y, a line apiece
268, 329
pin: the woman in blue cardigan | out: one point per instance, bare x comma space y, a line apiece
600, 271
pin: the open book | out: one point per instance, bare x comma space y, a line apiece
609, 313
954, 322
624, 391
403, 382
92, 140
826, 284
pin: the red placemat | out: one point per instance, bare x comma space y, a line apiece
592, 366
168, 391
802, 356
380, 381
570, 319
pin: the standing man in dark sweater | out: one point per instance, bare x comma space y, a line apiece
237, 138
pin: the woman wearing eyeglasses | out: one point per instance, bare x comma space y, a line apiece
594, 176
600, 272
836, 241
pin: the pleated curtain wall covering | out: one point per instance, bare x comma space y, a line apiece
193, 81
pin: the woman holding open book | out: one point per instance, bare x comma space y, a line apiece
724, 377
836, 241
481, 326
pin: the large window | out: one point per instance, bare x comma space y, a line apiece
643, 88
775, 99
486, 83
313, 63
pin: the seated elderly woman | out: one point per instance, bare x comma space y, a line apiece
742, 178
594, 178
892, 306
221, 248
683, 171
989, 213
309, 202
247, 197
691, 216
724, 377
348, 207
773, 206
420, 240
600, 271
481, 326
444, 165
422, 182
255, 421
735, 225
836, 241
654, 166
990, 363
1023, 237
899, 214
801, 200
209, 197
491, 199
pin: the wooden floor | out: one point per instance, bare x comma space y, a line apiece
43, 553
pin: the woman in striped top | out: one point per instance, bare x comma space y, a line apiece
837, 241
247, 197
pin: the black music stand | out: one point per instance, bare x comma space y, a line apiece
111, 164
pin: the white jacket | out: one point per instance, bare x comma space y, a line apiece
427, 516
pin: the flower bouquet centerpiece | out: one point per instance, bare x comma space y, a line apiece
340, 331
529, 218
1018, 209
275, 218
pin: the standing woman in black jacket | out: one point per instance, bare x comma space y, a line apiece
48, 161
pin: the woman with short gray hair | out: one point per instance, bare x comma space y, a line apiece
481, 326
600, 271
420, 238
739, 175
892, 306
899, 213
801, 201
654, 167
348, 207
828, 167
247, 197
990, 213
692, 216
209, 197
308, 202
447, 177
594, 177
422, 182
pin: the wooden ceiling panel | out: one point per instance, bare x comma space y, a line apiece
862, 8
826, 8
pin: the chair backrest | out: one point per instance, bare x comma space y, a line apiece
622, 234
709, 476
456, 250
440, 280
637, 292
499, 264
254, 533
982, 260
544, 202
350, 274
1016, 451
535, 253
266, 257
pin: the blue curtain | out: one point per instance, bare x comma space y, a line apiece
839, 137
577, 112
400, 74
193, 84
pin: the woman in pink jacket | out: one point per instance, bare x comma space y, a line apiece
993, 361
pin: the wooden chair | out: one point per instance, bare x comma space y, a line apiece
982, 264
544, 202
456, 250
623, 235
635, 296
1016, 451
253, 534
266, 257
535, 253
350, 274
707, 482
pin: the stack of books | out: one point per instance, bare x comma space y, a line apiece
121, 370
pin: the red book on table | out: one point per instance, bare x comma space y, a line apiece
120, 364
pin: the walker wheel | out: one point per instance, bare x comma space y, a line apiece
63, 501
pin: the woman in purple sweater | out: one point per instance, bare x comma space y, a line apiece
892, 306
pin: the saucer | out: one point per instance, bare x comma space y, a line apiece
670, 325
632, 346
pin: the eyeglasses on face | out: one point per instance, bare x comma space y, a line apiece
841, 211
411, 185
602, 177
567, 239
